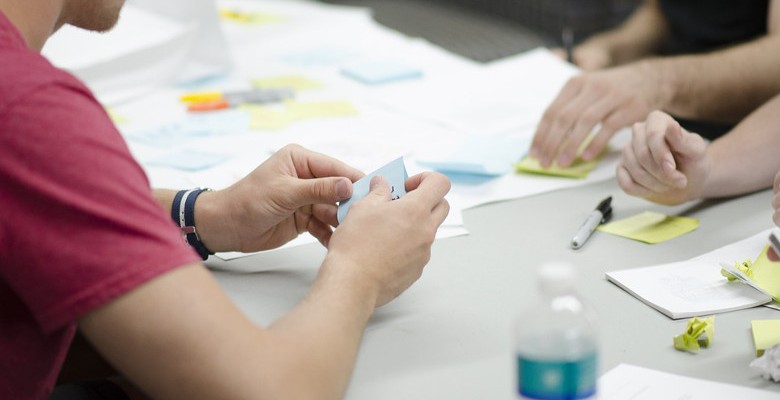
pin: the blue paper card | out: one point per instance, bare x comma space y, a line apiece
480, 155
394, 172
188, 160
378, 72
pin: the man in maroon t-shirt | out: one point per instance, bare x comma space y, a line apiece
87, 246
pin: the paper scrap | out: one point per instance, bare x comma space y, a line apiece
116, 117
651, 227
395, 174
480, 155
248, 17
698, 333
766, 333
768, 364
578, 169
188, 160
295, 82
375, 72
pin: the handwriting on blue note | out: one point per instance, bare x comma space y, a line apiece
188, 160
374, 72
395, 174
480, 155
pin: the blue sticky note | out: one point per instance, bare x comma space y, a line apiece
192, 126
394, 172
188, 160
480, 155
377, 72
320, 56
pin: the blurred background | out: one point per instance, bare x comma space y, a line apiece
486, 30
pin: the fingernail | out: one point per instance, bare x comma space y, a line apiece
343, 189
587, 155
378, 180
564, 160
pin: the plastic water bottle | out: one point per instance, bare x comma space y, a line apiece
555, 340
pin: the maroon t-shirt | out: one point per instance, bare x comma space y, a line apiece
79, 226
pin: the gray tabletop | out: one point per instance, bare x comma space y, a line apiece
449, 336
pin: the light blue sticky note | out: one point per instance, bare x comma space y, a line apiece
480, 155
377, 72
394, 172
320, 56
192, 126
188, 160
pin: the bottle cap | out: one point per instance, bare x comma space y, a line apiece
556, 277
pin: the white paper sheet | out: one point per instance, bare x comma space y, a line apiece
695, 287
628, 382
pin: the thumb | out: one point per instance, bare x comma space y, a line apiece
685, 143
323, 190
379, 190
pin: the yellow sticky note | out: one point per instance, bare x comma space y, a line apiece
766, 274
579, 169
318, 109
766, 333
247, 17
295, 82
651, 227
268, 119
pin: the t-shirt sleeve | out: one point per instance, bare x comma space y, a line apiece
80, 226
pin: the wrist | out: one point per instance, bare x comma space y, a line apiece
351, 280
183, 214
659, 83
213, 222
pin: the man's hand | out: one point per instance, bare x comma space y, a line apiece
292, 192
387, 243
663, 163
614, 98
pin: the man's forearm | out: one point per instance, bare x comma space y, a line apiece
746, 158
723, 86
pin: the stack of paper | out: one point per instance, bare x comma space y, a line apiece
695, 287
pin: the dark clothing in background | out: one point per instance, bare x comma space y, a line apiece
698, 26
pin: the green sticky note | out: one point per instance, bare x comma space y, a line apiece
698, 333
766, 274
651, 227
766, 333
579, 169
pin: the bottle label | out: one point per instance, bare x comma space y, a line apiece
555, 379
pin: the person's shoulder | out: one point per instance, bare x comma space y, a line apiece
24, 72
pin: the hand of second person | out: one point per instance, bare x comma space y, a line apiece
663, 163
614, 98
587, 57
292, 192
